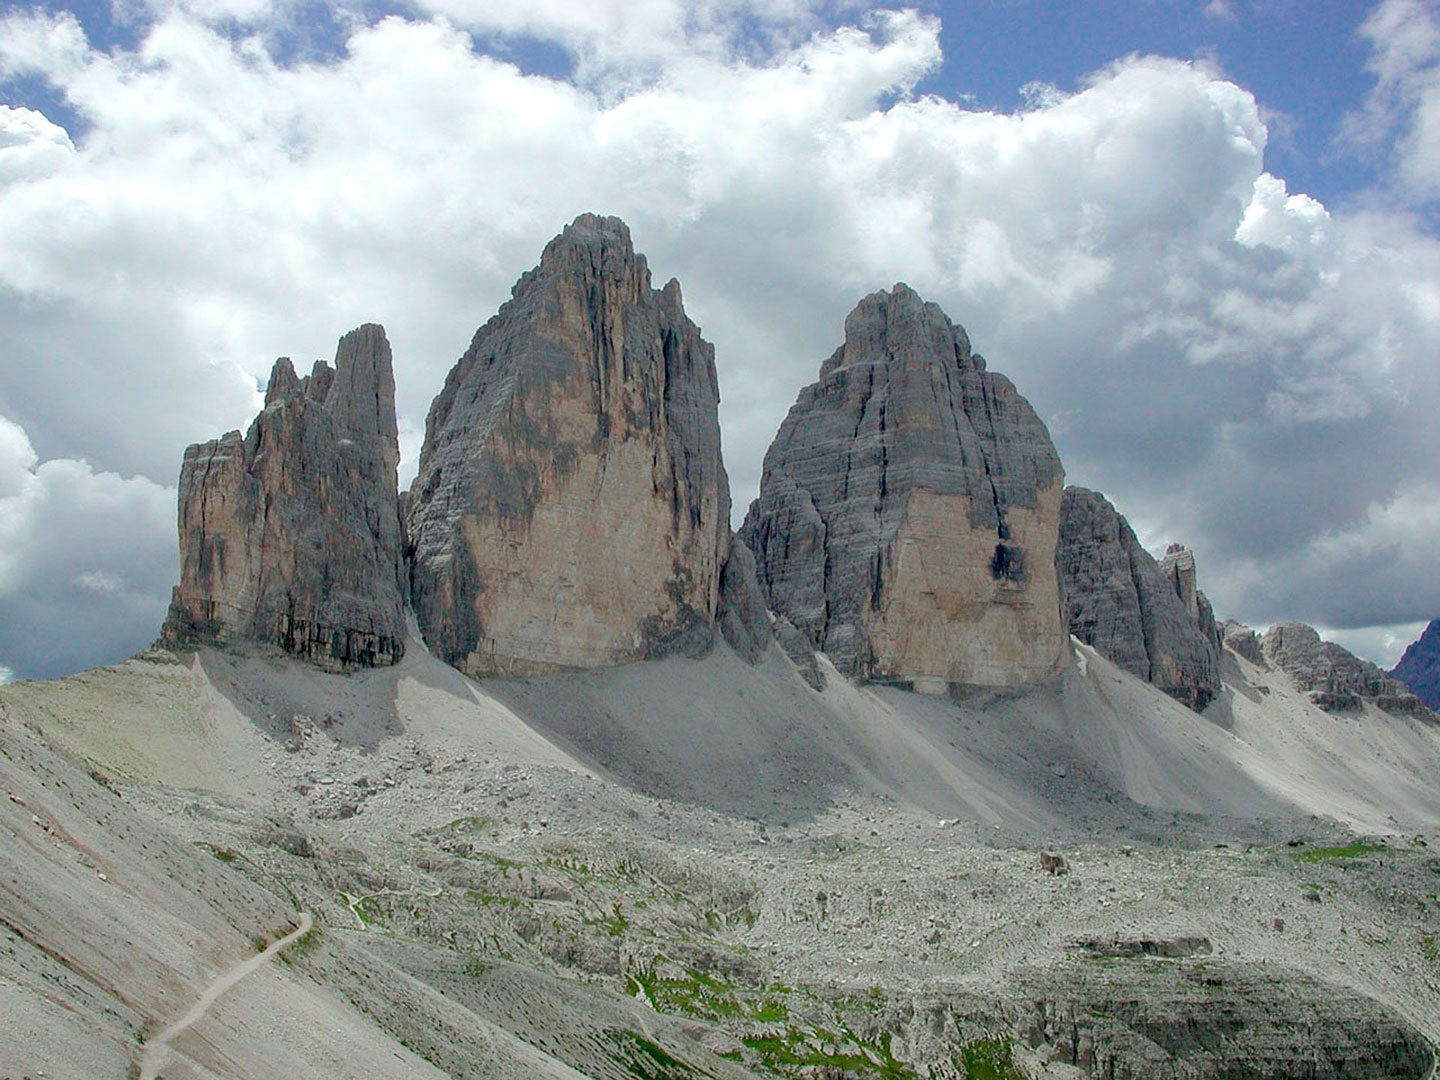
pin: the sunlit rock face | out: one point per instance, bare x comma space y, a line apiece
290, 535
909, 509
571, 508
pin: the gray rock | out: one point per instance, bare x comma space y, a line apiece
1145, 616
290, 535
1243, 641
796, 645
744, 622
1336, 679
1419, 668
571, 509
908, 510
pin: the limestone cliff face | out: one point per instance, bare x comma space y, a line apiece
571, 509
1147, 617
909, 509
290, 535
1419, 668
1336, 678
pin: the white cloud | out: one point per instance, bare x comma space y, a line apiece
1233, 362
6, 675
1404, 39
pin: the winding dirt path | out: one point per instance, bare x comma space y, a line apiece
157, 1048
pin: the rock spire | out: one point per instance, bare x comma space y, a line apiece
571, 509
290, 535
909, 509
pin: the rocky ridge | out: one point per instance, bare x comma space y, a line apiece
290, 534
909, 509
1335, 678
1146, 616
1419, 668
571, 508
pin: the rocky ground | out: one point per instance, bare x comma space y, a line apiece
492, 900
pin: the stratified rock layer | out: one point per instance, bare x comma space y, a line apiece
571, 509
1335, 678
1147, 617
290, 535
1419, 668
909, 508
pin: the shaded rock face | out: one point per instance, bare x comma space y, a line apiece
290, 535
908, 510
571, 509
1335, 678
1243, 641
1147, 617
1419, 668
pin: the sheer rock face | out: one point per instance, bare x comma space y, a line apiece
909, 508
1335, 678
1243, 641
571, 509
1145, 616
290, 535
1419, 668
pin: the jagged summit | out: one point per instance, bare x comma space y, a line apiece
1146, 616
908, 510
571, 508
1419, 668
290, 535
1335, 678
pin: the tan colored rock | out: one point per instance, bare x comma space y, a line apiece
571, 509
290, 535
909, 511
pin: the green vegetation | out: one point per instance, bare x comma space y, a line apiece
1430, 948
647, 1060
707, 997
1348, 851
990, 1059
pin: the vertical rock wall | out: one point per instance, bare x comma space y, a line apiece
1147, 617
571, 508
909, 509
290, 535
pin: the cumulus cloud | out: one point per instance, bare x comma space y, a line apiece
1235, 364
86, 559
1404, 108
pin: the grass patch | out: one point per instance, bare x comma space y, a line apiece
648, 1060
990, 1059
1430, 948
1357, 850
707, 997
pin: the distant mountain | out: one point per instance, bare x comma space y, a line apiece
1419, 668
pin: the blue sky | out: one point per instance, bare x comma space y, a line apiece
1200, 235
